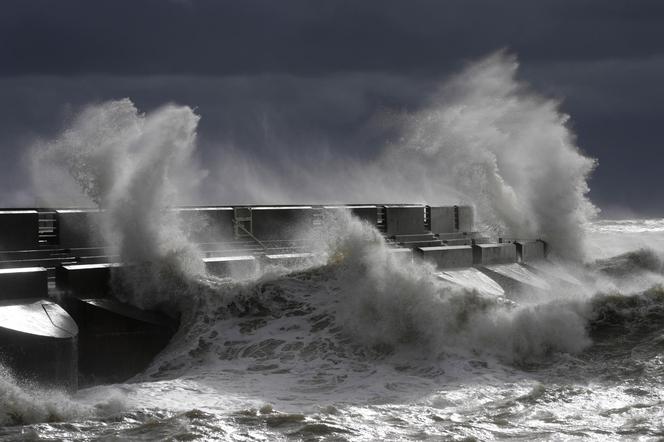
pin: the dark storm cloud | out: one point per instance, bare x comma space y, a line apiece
304, 77
304, 37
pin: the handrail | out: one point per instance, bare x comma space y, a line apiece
237, 224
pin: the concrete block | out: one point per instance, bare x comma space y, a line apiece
466, 219
26, 282
79, 228
38, 341
415, 244
442, 219
529, 251
85, 280
207, 224
448, 257
280, 223
412, 238
288, 259
514, 278
238, 267
454, 235
404, 220
458, 242
501, 253
19, 230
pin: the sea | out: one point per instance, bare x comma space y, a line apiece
363, 345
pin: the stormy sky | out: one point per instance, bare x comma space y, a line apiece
284, 78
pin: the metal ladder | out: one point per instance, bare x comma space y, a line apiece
48, 228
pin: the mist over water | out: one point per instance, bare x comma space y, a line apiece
360, 344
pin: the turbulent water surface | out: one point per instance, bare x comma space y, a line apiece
361, 346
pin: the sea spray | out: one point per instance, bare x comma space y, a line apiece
497, 144
135, 167
483, 137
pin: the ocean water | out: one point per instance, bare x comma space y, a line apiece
364, 346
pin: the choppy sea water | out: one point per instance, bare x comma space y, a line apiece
371, 348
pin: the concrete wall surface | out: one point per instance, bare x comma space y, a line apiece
207, 224
273, 223
448, 257
502, 253
240, 267
442, 219
85, 280
529, 251
404, 219
466, 218
79, 228
19, 230
368, 213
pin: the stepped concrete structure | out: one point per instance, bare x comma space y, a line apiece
62, 316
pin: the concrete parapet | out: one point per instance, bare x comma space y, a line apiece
529, 251
19, 230
367, 213
448, 257
79, 228
501, 253
206, 224
21, 283
442, 219
280, 223
466, 219
238, 267
85, 280
404, 220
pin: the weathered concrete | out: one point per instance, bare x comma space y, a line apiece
502, 253
79, 228
448, 257
19, 230
207, 224
239, 267
529, 251
25, 282
404, 220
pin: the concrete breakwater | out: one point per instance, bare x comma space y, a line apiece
61, 324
